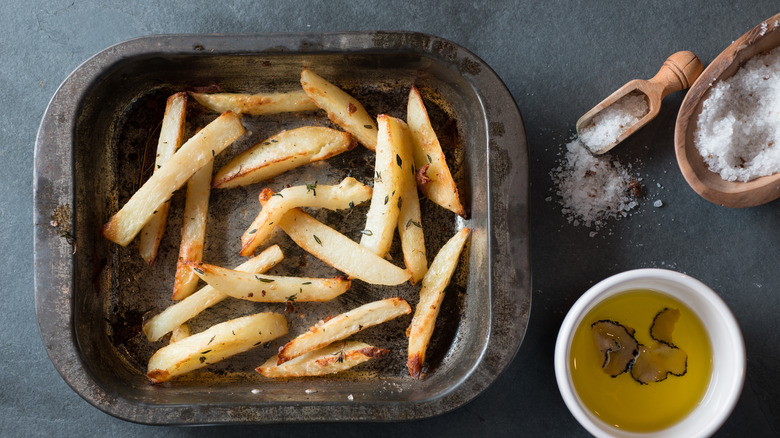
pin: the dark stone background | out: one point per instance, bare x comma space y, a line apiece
558, 58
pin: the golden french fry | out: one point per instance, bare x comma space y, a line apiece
332, 359
180, 333
270, 288
186, 309
343, 326
347, 194
439, 186
382, 216
282, 152
435, 281
193, 231
339, 251
343, 109
171, 137
409, 218
256, 104
193, 155
215, 344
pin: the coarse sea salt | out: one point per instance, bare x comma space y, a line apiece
737, 132
605, 128
592, 188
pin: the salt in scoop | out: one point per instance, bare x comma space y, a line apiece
762, 38
633, 105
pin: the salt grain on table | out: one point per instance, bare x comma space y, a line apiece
612, 121
737, 132
592, 188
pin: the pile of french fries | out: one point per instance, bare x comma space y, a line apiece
408, 158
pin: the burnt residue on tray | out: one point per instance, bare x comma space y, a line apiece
62, 220
137, 288
124, 325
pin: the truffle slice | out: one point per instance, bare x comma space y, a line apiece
617, 345
655, 364
663, 326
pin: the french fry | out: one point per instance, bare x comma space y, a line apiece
259, 104
282, 152
215, 344
171, 137
382, 216
409, 219
193, 231
180, 333
332, 359
346, 194
439, 186
435, 281
270, 288
339, 251
186, 309
194, 154
343, 326
343, 109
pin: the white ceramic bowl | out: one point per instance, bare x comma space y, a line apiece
728, 362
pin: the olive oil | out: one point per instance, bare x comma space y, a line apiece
622, 401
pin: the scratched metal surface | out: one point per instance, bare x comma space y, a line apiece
114, 291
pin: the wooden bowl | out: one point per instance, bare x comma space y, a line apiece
762, 38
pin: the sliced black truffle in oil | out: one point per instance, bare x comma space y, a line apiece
617, 346
656, 363
663, 326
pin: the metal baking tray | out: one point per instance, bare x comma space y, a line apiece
92, 152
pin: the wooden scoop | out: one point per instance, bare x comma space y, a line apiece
678, 73
762, 38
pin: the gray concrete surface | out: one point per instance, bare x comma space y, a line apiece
558, 59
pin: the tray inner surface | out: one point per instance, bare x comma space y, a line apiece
115, 141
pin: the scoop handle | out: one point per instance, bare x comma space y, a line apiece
678, 72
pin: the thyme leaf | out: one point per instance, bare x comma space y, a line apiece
340, 354
312, 188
